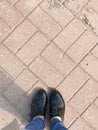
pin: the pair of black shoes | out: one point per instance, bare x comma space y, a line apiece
39, 104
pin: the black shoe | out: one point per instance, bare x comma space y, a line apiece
39, 102
57, 104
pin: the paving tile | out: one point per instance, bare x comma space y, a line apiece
20, 86
5, 80
12, 1
96, 102
33, 48
10, 62
85, 96
24, 107
90, 18
57, 58
72, 83
8, 113
10, 14
60, 14
66, 38
4, 30
3, 121
25, 80
95, 51
93, 4
46, 72
45, 23
82, 46
27, 6
37, 85
14, 93
70, 115
12, 125
20, 36
80, 124
91, 116
90, 65
75, 6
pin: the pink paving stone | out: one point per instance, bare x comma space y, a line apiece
90, 65
4, 30
82, 46
14, 93
96, 102
46, 72
95, 51
20, 36
75, 5
85, 96
25, 80
70, 115
12, 1
93, 4
26, 6
91, 116
66, 38
58, 59
80, 124
33, 48
72, 83
10, 14
8, 113
24, 107
5, 80
10, 62
45, 23
37, 85
60, 14
20, 86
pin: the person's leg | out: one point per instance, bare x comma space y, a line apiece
57, 110
36, 124
57, 124
38, 109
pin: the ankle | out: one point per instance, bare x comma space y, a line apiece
56, 117
39, 116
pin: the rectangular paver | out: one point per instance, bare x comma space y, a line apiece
95, 51
58, 59
45, 23
20, 86
46, 72
90, 65
70, 115
91, 116
72, 83
85, 96
66, 38
82, 46
93, 4
4, 30
60, 14
75, 6
5, 80
10, 62
20, 36
10, 14
33, 48
80, 124
26, 6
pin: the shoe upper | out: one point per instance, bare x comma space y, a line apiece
38, 105
57, 105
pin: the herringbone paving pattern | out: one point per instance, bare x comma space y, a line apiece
49, 43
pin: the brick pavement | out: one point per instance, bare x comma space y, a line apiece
49, 43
